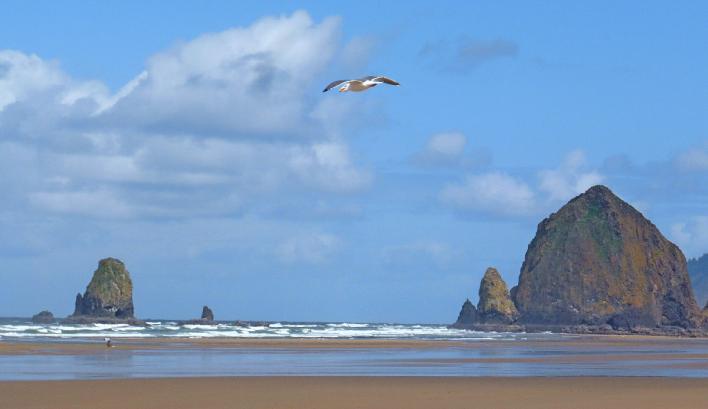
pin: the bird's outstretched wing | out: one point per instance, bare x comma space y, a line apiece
385, 80
334, 84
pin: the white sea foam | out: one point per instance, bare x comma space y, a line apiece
345, 330
348, 325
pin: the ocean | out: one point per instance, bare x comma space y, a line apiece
18, 328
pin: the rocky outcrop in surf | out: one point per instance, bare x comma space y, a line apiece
468, 314
43, 317
207, 314
109, 294
494, 307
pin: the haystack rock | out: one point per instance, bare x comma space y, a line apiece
109, 294
43, 317
495, 305
599, 261
207, 314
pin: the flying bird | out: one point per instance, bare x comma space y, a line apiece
361, 84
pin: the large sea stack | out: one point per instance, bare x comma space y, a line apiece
599, 261
109, 294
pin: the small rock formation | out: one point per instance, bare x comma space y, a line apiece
598, 261
468, 314
698, 271
207, 314
43, 317
495, 305
108, 295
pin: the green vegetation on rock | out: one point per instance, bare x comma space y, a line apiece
109, 294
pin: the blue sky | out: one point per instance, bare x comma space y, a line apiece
194, 143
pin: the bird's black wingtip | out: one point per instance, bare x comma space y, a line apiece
324, 90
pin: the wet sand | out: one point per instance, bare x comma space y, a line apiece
358, 392
89, 345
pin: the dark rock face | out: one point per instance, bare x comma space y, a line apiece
599, 261
495, 305
468, 314
44, 317
698, 271
207, 314
109, 294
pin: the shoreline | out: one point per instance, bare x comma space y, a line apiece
345, 392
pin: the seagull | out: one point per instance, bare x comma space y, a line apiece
361, 84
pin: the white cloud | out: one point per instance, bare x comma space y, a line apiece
22, 76
571, 178
242, 80
313, 248
328, 166
492, 193
221, 123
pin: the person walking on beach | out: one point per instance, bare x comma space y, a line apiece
108, 342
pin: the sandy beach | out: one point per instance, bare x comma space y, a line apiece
357, 392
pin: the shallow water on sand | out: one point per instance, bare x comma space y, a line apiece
565, 356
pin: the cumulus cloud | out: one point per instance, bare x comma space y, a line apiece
237, 82
493, 193
313, 248
499, 194
221, 123
571, 178
466, 53
23, 76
